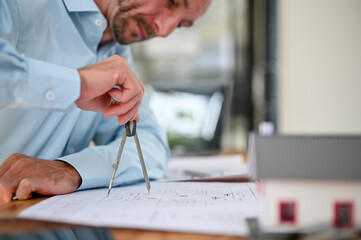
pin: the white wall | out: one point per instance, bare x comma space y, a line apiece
319, 66
315, 202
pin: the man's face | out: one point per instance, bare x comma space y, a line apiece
137, 20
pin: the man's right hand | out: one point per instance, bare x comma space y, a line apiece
97, 89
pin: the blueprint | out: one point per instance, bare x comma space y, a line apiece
213, 208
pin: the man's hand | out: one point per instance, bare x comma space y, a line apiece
97, 89
21, 175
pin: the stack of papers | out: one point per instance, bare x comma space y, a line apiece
208, 167
211, 208
197, 207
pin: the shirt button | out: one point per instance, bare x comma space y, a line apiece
98, 22
50, 95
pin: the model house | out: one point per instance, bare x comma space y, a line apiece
307, 183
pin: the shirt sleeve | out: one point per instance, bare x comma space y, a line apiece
94, 164
27, 82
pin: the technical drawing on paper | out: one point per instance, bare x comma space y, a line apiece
178, 206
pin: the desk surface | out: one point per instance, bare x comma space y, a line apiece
9, 223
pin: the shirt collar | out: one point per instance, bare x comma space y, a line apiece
81, 6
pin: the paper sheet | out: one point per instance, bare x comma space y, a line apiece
212, 208
184, 168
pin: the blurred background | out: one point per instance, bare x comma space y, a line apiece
294, 63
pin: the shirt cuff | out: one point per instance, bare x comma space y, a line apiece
94, 165
51, 86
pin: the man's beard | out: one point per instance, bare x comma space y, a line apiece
121, 23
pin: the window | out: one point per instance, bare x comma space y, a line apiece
288, 212
343, 215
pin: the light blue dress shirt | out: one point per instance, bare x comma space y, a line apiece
42, 44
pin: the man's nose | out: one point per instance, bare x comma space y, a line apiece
165, 25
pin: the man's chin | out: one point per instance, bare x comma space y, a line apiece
129, 41
144, 39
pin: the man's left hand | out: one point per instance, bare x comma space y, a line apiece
21, 175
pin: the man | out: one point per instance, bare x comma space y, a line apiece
59, 63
